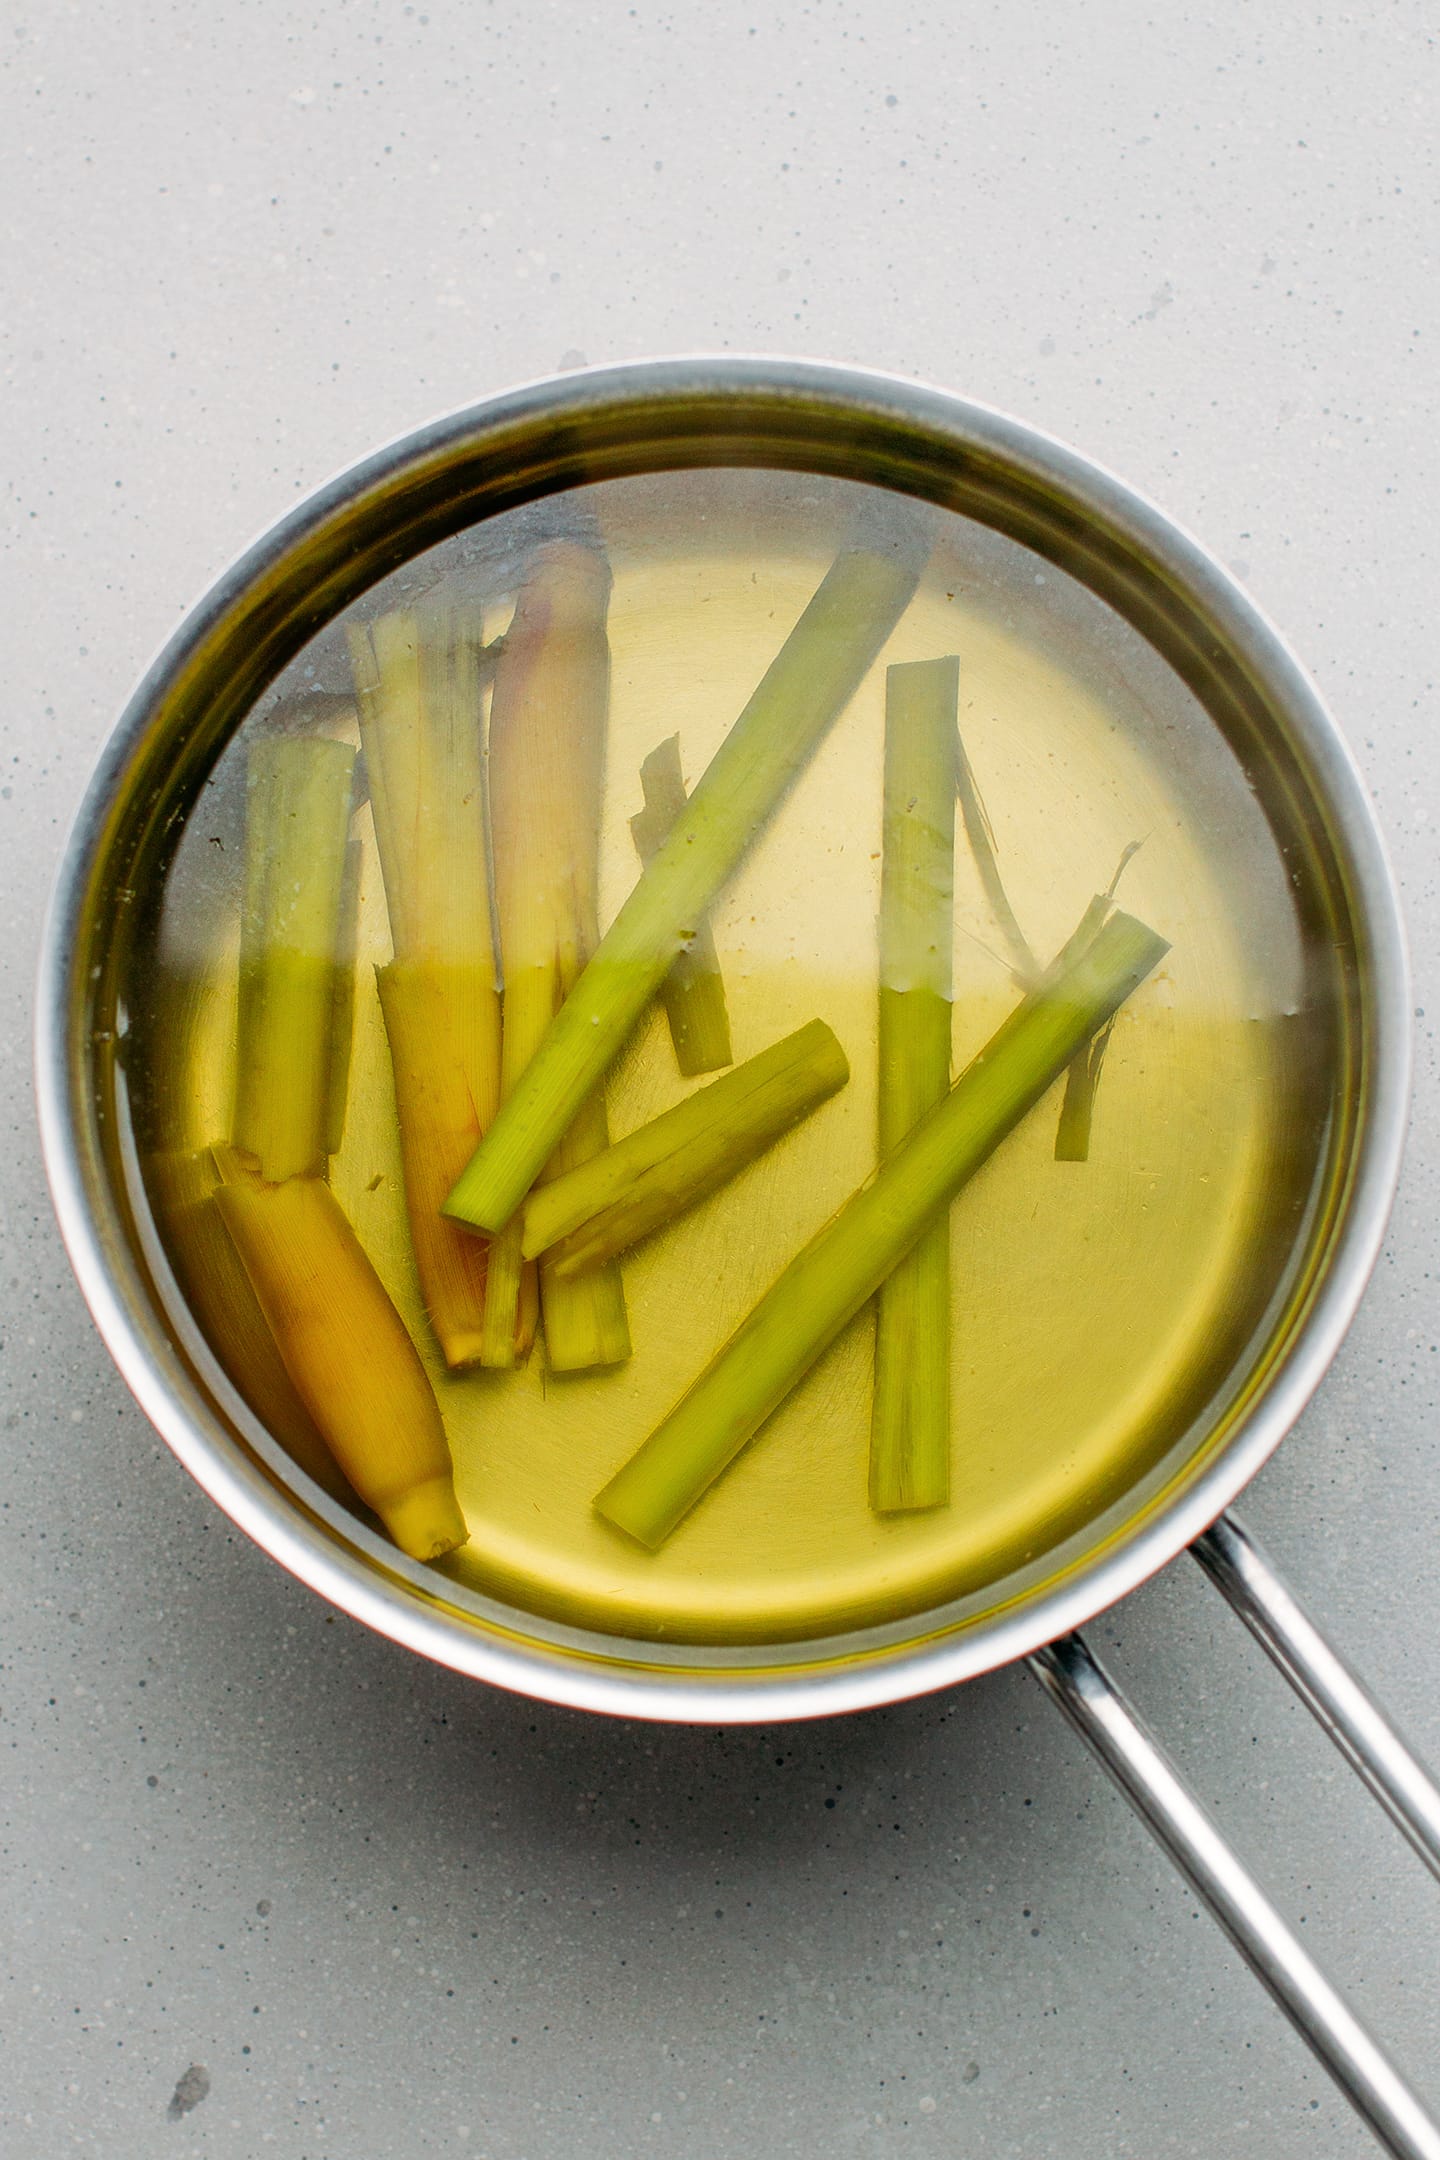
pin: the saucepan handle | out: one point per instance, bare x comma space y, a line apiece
1076, 1682
1245, 1575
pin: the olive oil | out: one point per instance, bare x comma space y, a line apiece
1097, 1306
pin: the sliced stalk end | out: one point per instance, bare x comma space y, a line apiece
586, 1325
508, 1325
693, 994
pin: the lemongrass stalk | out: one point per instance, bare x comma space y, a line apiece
831, 1278
910, 1411
980, 833
655, 1174
342, 1002
418, 676
435, 1023
346, 1351
693, 993
808, 685
548, 718
182, 1183
585, 1321
1077, 1110
297, 818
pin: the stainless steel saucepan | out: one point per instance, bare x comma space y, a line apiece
1084, 529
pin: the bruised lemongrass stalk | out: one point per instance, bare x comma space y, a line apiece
910, 1413
1077, 1110
297, 821
548, 719
1072, 1134
653, 1175
346, 1351
183, 1183
693, 993
980, 834
418, 677
831, 1278
808, 685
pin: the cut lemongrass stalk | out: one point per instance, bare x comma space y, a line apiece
436, 1023
342, 1002
418, 675
981, 836
693, 993
346, 1351
1072, 1134
846, 1262
548, 719
653, 1175
183, 1182
910, 1413
297, 818
808, 685
585, 1321
1077, 1110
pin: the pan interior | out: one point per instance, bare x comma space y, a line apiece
1102, 1310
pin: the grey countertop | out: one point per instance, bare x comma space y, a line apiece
271, 1883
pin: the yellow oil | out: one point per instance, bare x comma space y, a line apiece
1097, 1306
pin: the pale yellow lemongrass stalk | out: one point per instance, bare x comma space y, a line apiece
548, 719
418, 678
346, 1351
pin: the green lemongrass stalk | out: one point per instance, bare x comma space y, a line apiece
981, 835
653, 1175
831, 1278
548, 719
297, 821
808, 685
910, 1414
586, 1324
418, 678
1077, 1110
693, 993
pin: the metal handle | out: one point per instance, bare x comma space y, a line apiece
1076, 1682
1245, 1575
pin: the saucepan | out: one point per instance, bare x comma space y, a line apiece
1047, 555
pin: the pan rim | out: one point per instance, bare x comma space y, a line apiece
597, 1673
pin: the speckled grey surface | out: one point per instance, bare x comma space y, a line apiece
271, 1884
